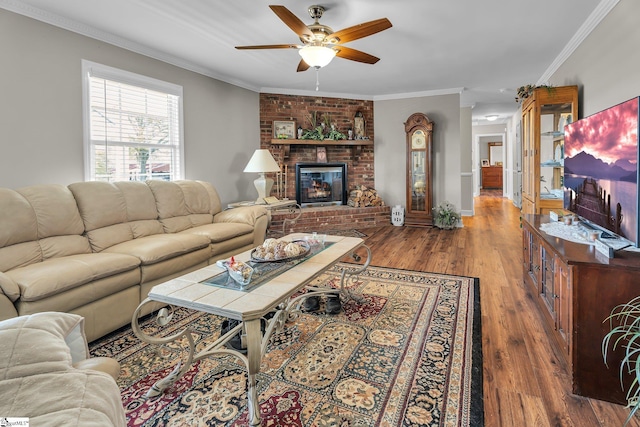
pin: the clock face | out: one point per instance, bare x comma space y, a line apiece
418, 140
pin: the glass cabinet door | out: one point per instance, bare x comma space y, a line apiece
553, 118
418, 181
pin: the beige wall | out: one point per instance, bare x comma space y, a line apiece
390, 152
606, 66
41, 110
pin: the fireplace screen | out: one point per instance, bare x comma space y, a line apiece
321, 184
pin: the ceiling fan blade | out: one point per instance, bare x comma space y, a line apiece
362, 30
292, 21
355, 55
302, 66
270, 46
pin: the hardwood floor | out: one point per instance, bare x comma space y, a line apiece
525, 381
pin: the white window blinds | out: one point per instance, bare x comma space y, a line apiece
133, 126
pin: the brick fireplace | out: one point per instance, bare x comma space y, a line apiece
359, 160
275, 107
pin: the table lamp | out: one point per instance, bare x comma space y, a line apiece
261, 162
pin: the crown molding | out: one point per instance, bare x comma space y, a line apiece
407, 95
599, 13
300, 92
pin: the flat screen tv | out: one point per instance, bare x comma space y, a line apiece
601, 169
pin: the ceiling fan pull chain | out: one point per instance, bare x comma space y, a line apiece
317, 78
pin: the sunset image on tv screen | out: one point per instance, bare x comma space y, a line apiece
601, 168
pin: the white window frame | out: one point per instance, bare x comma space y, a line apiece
93, 69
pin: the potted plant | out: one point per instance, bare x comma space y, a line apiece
526, 91
445, 216
627, 336
323, 130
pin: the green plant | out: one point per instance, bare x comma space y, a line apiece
335, 135
525, 91
445, 215
627, 336
317, 130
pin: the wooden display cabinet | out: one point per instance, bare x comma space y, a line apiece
575, 290
544, 114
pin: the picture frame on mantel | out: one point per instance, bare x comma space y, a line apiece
283, 129
321, 155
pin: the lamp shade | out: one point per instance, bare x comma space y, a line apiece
317, 56
262, 161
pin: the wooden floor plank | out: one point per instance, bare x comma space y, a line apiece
525, 379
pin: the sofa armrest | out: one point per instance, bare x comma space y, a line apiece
8, 287
9, 292
244, 215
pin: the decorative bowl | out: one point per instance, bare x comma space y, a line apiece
240, 272
315, 239
255, 257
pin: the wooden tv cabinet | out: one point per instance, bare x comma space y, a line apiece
576, 289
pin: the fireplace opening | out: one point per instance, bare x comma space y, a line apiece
321, 184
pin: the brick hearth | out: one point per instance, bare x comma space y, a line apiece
332, 218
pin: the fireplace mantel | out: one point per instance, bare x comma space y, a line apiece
355, 144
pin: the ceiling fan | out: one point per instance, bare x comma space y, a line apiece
320, 44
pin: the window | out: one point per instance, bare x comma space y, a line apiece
132, 126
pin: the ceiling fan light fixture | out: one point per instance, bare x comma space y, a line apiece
317, 56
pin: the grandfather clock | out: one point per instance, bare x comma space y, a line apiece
419, 131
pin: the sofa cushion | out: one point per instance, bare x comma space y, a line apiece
55, 209
53, 276
38, 223
115, 213
220, 231
139, 200
100, 203
105, 237
243, 215
153, 249
184, 204
18, 223
19, 255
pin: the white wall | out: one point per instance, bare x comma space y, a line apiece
390, 151
41, 110
466, 159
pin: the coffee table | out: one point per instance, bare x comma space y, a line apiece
276, 294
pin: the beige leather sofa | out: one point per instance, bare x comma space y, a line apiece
47, 376
97, 248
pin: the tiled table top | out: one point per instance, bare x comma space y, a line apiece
187, 291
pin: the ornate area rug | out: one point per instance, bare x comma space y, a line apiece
409, 356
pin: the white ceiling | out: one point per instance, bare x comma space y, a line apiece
482, 49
